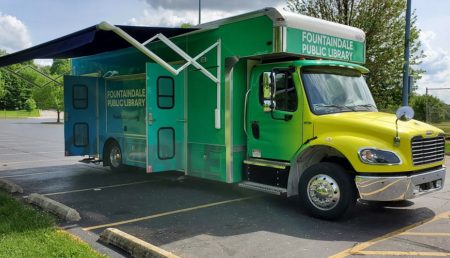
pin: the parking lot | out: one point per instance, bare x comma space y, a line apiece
198, 218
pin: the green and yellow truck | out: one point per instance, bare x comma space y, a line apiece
270, 100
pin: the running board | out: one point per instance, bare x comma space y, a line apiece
263, 188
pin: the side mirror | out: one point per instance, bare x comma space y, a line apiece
405, 113
268, 91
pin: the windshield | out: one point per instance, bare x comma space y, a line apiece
333, 90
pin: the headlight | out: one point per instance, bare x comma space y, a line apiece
375, 156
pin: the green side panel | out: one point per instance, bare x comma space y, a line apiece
239, 137
324, 46
247, 38
206, 161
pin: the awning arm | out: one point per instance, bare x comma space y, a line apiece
189, 60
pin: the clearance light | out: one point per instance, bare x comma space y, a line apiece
375, 156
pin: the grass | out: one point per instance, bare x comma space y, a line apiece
18, 113
445, 126
26, 232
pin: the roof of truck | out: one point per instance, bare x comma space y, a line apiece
294, 20
95, 40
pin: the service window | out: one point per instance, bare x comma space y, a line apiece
80, 96
285, 94
165, 97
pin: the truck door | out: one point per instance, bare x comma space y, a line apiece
81, 115
165, 119
275, 135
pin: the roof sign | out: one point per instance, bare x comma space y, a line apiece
324, 46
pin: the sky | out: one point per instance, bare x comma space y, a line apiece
25, 23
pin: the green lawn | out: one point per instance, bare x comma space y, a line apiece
26, 232
445, 126
18, 113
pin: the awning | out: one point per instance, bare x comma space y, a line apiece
89, 41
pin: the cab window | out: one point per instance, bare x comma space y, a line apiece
285, 95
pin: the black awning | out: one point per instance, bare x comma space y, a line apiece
87, 42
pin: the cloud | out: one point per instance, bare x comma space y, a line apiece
13, 34
173, 13
437, 67
225, 6
174, 18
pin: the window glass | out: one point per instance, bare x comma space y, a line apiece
166, 143
80, 134
80, 96
334, 90
165, 92
285, 95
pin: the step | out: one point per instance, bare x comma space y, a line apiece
267, 163
263, 188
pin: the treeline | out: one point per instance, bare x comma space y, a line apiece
27, 86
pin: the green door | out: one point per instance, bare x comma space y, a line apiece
165, 120
275, 135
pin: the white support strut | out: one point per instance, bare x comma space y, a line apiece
189, 60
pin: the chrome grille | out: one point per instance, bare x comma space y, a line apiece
427, 150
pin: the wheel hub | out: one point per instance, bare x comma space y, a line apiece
323, 192
115, 157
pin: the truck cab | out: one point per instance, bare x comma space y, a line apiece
314, 130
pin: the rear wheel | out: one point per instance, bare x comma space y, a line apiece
327, 191
115, 156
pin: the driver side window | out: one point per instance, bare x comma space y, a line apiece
285, 95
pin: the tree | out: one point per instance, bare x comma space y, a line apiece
423, 104
384, 23
51, 94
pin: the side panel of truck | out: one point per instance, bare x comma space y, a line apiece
124, 102
81, 115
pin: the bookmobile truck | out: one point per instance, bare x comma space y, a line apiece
271, 100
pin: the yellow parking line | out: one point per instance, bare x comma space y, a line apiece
360, 247
168, 213
399, 253
426, 234
99, 187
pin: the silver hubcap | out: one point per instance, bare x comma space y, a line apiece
323, 192
115, 157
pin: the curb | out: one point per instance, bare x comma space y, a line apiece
54, 207
133, 245
10, 186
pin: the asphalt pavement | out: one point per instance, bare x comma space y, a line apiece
192, 217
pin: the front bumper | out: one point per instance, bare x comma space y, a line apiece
395, 188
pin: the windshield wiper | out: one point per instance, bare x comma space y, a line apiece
340, 107
367, 106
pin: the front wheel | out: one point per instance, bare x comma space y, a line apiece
115, 156
327, 191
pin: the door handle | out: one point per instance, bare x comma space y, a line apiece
255, 129
150, 119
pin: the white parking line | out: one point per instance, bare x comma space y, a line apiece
33, 161
30, 153
100, 187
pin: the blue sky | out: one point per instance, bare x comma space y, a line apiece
24, 23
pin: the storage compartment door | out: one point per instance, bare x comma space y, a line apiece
81, 115
165, 120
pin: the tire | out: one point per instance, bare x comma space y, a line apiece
114, 156
327, 191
